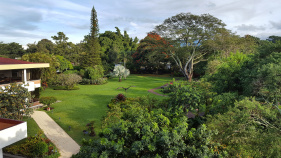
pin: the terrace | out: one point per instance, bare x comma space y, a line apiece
20, 72
19, 77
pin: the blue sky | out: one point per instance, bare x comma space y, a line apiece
29, 21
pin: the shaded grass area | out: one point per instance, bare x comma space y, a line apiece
32, 127
89, 103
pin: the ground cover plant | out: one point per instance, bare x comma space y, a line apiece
89, 103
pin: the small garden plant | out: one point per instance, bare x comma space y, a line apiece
48, 101
90, 129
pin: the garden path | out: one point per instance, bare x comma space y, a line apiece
66, 145
152, 90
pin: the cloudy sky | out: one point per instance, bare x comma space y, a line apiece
29, 21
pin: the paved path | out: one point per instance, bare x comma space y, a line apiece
66, 145
152, 90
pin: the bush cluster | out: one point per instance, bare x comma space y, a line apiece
48, 100
34, 146
98, 81
144, 127
66, 80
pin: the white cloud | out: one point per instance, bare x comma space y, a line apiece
133, 24
31, 20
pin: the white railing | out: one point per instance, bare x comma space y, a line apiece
30, 85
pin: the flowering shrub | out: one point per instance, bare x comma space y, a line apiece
120, 97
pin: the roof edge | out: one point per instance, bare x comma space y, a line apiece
24, 66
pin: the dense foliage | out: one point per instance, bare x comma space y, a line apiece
116, 48
66, 80
48, 100
188, 32
14, 102
140, 127
64, 63
94, 73
152, 54
249, 129
43, 73
35, 146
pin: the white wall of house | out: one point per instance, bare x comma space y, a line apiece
11, 135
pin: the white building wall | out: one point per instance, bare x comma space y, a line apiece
13, 134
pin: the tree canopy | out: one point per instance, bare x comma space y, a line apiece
188, 32
152, 53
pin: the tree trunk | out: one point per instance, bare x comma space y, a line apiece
190, 77
120, 79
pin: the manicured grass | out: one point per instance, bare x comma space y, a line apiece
89, 103
32, 127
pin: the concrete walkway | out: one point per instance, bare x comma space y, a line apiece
66, 145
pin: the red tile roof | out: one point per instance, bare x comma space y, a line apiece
5, 61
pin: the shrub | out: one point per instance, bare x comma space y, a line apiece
120, 97
221, 103
98, 81
94, 72
39, 149
34, 146
249, 129
135, 131
66, 88
90, 129
48, 100
14, 102
81, 72
67, 80
71, 72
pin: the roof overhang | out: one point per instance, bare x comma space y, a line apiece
11, 131
23, 66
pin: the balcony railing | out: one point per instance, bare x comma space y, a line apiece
30, 85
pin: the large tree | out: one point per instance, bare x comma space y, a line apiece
92, 56
116, 48
152, 52
61, 47
11, 50
188, 31
44, 73
225, 42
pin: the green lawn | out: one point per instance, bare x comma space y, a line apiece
89, 103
